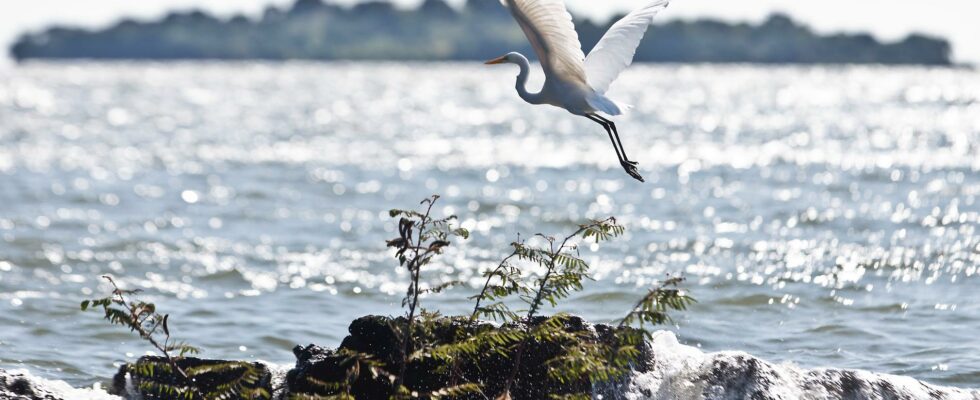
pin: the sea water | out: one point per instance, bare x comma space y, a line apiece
823, 216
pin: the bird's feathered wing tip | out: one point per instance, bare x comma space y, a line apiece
615, 51
608, 106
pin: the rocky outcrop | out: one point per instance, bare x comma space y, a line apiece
149, 374
378, 337
667, 370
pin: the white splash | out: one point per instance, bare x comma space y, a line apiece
684, 372
61, 389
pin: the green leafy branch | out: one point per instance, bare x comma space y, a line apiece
654, 307
142, 318
564, 273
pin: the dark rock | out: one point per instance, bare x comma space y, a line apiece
149, 373
379, 337
743, 377
20, 387
118, 386
846, 384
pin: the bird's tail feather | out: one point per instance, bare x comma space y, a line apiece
607, 105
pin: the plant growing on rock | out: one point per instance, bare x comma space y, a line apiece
582, 357
353, 364
610, 361
564, 273
421, 237
166, 377
422, 355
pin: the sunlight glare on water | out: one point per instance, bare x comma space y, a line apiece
824, 216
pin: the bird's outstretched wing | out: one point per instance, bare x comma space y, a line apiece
615, 51
549, 28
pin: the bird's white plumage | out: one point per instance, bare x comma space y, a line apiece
573, 81
548, 26
615, 51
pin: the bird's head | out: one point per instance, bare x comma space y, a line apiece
509, 58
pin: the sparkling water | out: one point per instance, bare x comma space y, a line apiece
824, 216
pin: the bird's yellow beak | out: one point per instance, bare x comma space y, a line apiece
498, 60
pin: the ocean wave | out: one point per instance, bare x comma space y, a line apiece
22, 382
684, 372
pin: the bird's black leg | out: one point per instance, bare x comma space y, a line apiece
609, 131
610, 128
618, 140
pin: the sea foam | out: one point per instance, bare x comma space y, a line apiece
685, 372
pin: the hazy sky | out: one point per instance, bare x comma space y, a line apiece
887, 19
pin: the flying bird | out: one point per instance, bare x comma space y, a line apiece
574, 81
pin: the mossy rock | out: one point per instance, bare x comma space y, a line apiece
154, 379
379, 337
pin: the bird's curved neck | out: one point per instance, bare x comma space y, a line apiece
533, 98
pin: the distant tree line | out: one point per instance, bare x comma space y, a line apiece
376, 30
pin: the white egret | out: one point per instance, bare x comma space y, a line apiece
573, 81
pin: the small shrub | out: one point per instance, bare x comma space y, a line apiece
165, 377
421, 238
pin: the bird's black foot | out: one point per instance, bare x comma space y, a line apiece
630, 168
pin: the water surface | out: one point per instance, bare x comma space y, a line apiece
824, 216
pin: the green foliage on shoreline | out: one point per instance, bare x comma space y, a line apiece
482, 29
536, 275
166, 378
